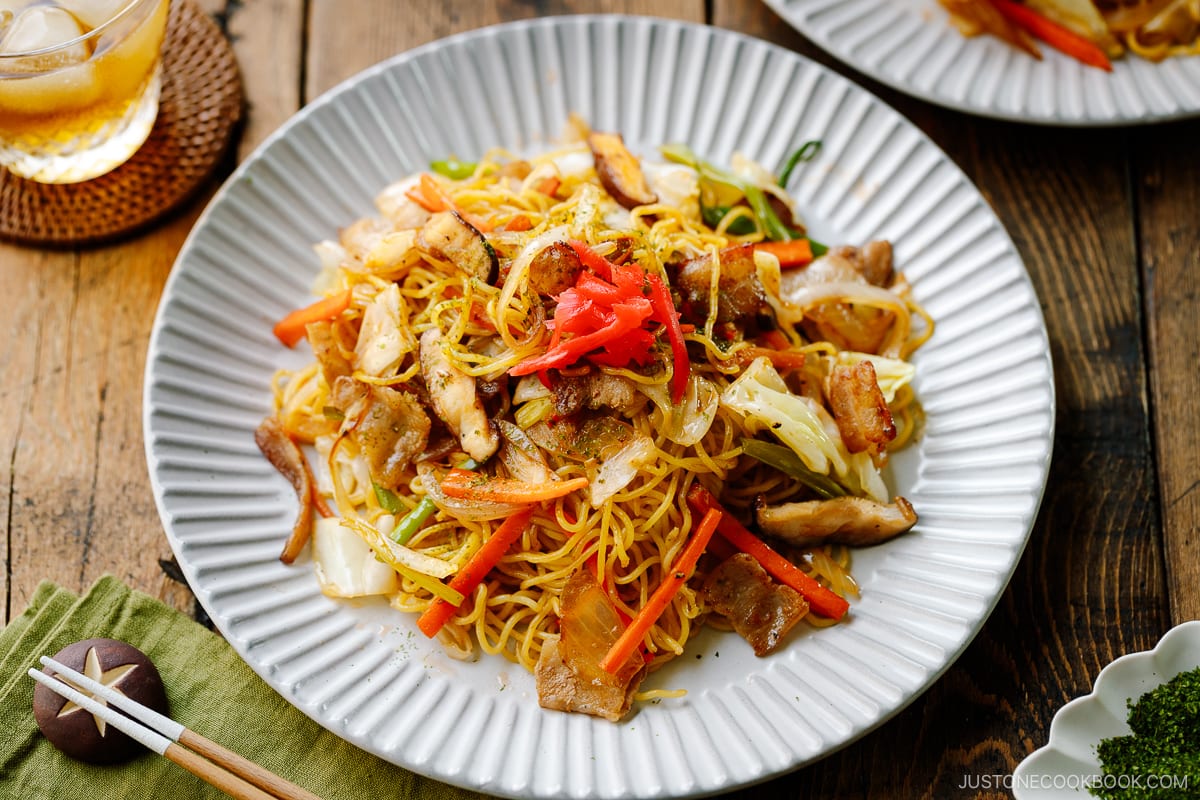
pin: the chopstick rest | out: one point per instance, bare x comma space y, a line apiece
86, 736
209, 761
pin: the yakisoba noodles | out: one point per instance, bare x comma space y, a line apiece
535, 377
1092, 31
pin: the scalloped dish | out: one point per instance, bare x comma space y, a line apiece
1068, 764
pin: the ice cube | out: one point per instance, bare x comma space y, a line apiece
93, 13
41, 27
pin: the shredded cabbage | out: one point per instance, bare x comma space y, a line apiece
346, 565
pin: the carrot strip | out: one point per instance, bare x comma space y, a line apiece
549, 185
518, 223
474, 571
820, 599
467, 485
1062, 39
290, 329
793, 253
657, 603
775, 339
427, 195
780, 359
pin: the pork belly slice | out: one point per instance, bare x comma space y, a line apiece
568, 673
854, 521
390, 426
859, 408
760, 610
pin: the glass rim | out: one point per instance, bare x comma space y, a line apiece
95, 32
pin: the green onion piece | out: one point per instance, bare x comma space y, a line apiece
411, 522
713, 215
453, 168
786, 461
333, 412
772, 226
807, 152
387, 499
817, 248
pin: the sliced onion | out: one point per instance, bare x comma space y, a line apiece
620, 468
522, 458
794, 301
688, 422
529, 387
461, 509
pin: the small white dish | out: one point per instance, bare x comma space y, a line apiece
1068, 765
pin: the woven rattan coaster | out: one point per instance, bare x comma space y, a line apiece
199, 110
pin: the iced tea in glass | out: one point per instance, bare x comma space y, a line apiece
79, 84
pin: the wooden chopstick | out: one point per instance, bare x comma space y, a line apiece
231, 773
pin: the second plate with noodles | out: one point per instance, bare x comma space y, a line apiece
912, 46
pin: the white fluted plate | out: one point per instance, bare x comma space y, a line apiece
976, 477
911, 46
1067, 764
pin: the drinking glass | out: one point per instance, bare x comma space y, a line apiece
79, 84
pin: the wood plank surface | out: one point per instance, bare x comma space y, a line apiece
79, 503
342, 44
1168, 211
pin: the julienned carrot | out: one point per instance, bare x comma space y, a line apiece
775, 339
793, 253
549, 185
466, 485
1053, 34
290, 329
780, 359
478, 566
518, 223
680, 571
820, 599
429, 196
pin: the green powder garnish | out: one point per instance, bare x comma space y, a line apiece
1160, 760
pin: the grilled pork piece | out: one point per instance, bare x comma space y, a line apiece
452, 393
854, 521
859, 408
390, 427
329, 356
760, 610
568, 674
596, 391
739, 291
849, 327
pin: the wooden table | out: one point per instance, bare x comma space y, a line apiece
1107, 222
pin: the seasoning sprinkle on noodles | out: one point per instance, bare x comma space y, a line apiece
534, 378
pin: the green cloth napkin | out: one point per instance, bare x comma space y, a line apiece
209, 689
